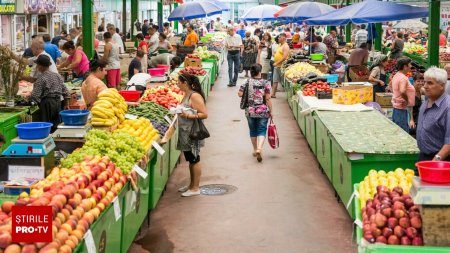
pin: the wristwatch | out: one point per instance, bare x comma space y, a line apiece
437, 158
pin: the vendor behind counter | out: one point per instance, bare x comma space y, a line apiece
358, 57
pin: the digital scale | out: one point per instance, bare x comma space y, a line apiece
424, 193
27, 158
64, 131
159, 79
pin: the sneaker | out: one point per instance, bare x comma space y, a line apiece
190, 193
184, 188
231, 85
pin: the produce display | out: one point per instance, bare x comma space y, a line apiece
192, 56
391, 66
444, 56
77, 195
193, 71
319, 86
391, 179
391, 217
142, 129
294, 58
204, 54
109, 109
124, 149
172, 82
413, 48
166, 97
299, 70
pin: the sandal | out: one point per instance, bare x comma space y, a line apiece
258, 156
273, 96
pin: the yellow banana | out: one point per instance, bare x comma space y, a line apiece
108, 112
113, 101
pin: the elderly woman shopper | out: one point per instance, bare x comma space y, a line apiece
377, 76
259, 108
47, 92
194, 108
401, 88
433, 129
264, 55
250, 51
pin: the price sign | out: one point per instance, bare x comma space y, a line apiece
130, 116
158, 148
168, 119
140, 171
117, 212
89, 240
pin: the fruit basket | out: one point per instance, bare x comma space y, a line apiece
359, 73
74, 117
33, 130
434, 171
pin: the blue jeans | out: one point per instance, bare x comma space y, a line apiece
236, 60
257, 126
400, 117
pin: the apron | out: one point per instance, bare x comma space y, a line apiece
50, 107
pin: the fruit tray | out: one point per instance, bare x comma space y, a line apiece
366, 247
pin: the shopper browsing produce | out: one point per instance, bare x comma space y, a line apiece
378, 74
400, 86
397, 46
111, 55
93, 84
281, 55
37, 48
418, 87
135, 66
48, 90
195, 108
77, 60
164, 43
259, 108
433, 131
447, 86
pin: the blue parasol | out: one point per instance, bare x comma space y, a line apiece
303, 10
193, 10
222, 6
261, 13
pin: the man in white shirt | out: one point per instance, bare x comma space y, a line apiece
37, 47
154, 40
233, 44
361, 36
116, 39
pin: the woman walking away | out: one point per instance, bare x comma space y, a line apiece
195, 108
250, 52
259, 108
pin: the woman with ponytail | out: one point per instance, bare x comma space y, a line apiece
259, 108
194, 108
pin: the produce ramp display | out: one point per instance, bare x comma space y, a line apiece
361, 141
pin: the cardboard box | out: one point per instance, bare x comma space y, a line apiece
190, 62
349, 95
384, 99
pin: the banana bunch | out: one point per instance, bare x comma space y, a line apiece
142, 129
109, 109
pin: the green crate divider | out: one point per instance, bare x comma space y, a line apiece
324, 155
174, 152
310, 131
383, 248
158, 176
301, 120
106, 231
295, 109
4, 198
8, 121
214, 68
346, 172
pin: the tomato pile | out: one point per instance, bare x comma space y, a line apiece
166, 97
193, 56
311, 88
362, 73
193, 71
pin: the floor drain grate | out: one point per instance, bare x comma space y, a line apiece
217, 189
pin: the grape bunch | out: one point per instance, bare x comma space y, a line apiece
162, 127
123, 149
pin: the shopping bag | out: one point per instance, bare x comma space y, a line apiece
198, 131
272, 135
244, 98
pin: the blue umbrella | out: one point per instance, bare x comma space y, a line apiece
303, 10
261, 13
192, 10
222, 6
370, 11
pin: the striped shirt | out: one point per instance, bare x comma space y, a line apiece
433, 129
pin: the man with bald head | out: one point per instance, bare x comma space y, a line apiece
37, 47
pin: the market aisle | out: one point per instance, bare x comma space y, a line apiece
283, 205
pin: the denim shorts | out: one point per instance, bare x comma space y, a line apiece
400, 117
257, 126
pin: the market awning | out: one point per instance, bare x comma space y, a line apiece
192, 10
370, 11
263, 12
410, 24
303, 10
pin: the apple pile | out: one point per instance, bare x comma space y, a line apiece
193, 71
77, 196
193, 56
392, 218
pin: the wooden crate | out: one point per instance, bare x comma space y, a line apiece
435, 225
190, 62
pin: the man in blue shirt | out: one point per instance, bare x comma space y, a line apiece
433, 129
241, 32
51, 49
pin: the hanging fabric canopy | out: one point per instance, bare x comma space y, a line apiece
222, 6
303, 10
263, 12
410, 24
192, 10
369, 11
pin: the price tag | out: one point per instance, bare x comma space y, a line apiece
358, 223
89, 240
79, 135
168, 120
158, 148
350, 200
117, 212
140, 171
130, 116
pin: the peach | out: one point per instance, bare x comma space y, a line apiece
29, 248
7, 206
96, 212
78, 234
13, 248
62, 235
66, 227
61, 217
74, 239
60, 198
86, 204
5, 228
85, 193
89, 217
5, 239
70, 243
101, 206
50, 248
65, 249
81, 228
40, 245
84, 222
66, 213
77, 213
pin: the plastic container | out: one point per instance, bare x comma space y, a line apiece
74, 117
130, 95
297, 46
165, 67
332, 78
434, 171
156, 72
33, 130
316, 57
206, 39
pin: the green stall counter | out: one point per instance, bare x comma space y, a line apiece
301, 119
159, 174
9, 118
361, 141
107, 229
204, 80
215, 69
174, 152
323, 141
310, 131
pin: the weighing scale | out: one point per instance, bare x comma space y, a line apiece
27, 158
424, 193
159, 79
64, 131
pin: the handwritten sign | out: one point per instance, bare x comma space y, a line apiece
19, 171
